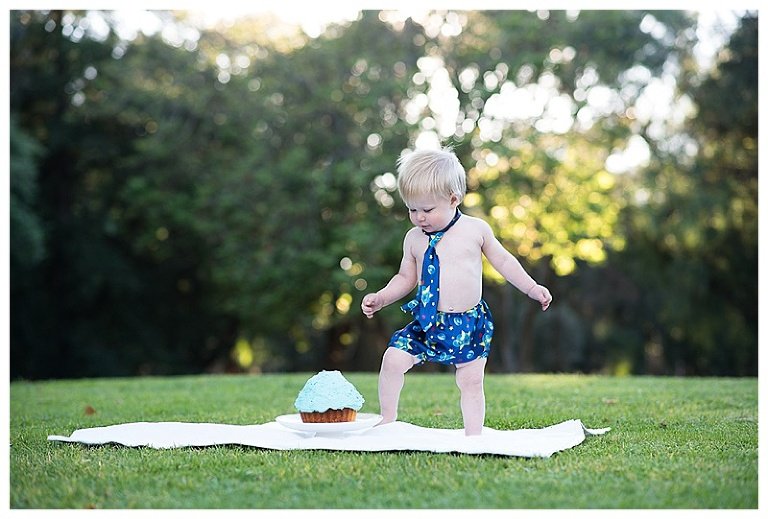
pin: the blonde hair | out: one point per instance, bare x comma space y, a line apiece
430, 172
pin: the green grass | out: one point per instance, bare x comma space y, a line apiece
675, 443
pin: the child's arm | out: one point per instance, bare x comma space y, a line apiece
399, 286
509, 267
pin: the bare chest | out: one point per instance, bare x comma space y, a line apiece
456, 252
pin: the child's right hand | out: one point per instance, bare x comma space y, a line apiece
371, 304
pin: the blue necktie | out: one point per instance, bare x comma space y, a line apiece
424, 306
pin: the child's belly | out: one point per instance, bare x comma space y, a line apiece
459, 291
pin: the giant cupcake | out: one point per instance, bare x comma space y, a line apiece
328, 397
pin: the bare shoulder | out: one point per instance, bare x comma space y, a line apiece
477, 225
412, 235
411, 239
480, 230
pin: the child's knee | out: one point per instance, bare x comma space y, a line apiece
396, 361
471, 383
470, 379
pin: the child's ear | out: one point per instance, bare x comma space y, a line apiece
454, 200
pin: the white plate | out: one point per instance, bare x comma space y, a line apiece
363, 421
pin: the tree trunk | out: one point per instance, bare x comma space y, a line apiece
507, 337
526, 362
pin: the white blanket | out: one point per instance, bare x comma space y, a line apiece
397, 436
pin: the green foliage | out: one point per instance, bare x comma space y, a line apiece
694, 242
171, 199
674, 443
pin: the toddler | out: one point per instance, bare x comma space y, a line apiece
442, 253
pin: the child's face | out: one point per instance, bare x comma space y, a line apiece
431, 213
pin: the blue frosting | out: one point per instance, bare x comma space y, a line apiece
328, 390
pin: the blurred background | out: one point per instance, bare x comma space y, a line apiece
194, 193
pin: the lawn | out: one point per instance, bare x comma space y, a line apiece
675, 443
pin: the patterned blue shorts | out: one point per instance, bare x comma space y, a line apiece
454, 339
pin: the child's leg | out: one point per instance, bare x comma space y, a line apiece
469, 378
394, 364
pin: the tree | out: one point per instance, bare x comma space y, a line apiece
221, 199
693, 241
544, 99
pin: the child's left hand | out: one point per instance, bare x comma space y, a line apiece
541, 294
